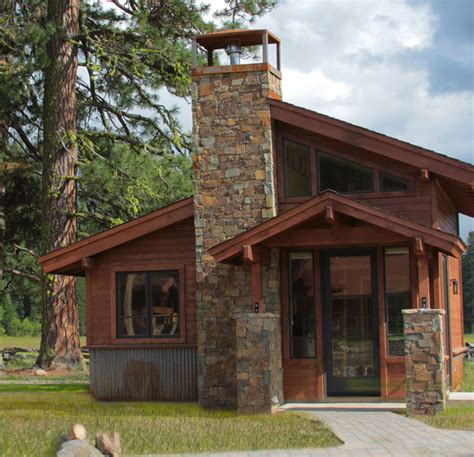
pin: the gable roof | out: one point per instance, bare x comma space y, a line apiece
68, 260
457, 177
306, 211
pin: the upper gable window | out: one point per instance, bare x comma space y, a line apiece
343, 175
297, 160
390, 183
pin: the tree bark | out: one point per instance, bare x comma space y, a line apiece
60, 325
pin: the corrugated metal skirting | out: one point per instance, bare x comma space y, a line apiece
144, 374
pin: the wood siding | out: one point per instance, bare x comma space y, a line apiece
445, 216
171, 247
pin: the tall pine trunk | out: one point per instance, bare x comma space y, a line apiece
60, 327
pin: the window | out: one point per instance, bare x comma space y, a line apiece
390, 183
343, 175
148, 304
302, 306
297, 167
397, 296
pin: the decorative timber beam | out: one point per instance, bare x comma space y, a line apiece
420, 246
88, 263
255, 254
425, 175
329, 214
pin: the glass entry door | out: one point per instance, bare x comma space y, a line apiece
351, 324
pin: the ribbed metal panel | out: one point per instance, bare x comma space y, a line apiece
144, 374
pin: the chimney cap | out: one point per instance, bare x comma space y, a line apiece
219, 40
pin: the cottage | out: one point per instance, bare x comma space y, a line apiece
283, 278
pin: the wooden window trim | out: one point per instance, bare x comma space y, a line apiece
155, 341
395, 358
315, 149
281, 168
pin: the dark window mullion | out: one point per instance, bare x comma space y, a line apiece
148, 303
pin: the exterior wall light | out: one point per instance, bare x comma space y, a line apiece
455, 284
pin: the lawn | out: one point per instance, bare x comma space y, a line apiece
33, 418
468, 379
26, 342
458, 416
469, 338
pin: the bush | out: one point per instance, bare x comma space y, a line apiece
24, 328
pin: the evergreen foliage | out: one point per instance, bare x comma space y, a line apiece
133, 155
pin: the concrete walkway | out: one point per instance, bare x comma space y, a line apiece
375, 433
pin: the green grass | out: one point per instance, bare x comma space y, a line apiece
32, 422
469, 337
458, 416
467, 384
27, 342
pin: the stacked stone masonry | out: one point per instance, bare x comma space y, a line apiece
259, 369
234, 190
424, 357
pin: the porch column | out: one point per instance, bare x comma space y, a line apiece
424, 360
258, 362
423, 274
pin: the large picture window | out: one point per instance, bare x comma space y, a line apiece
302, 306
397, 296
297, 158
391, 183
148, 304
343, 175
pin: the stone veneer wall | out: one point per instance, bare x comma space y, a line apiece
424, 358
234, 190
259, 369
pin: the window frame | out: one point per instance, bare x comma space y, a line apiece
314, 259
362, 192
281, 172
146, 268
317, 147
411, 280
409, 182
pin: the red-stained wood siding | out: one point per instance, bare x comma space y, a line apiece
170, 247
455, 305
445, 216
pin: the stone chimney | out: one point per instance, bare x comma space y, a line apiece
234, 179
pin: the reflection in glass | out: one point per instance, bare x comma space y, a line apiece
148, 303
164, 302
302, 307
344, 175
297, 169
351, 308
132, 300
390, 183
397, 296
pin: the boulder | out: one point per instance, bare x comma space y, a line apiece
40, 372
77, 432
108, 443
78, 448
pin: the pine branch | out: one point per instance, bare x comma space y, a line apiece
22, 274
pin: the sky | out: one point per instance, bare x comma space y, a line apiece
404, 68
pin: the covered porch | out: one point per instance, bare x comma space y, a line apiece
346, 271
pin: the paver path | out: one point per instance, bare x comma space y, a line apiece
376, 433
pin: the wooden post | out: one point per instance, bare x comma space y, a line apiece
255, 256
194, 53
423, 280
265, 46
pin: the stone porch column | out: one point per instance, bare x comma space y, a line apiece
258, 362
424, 359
